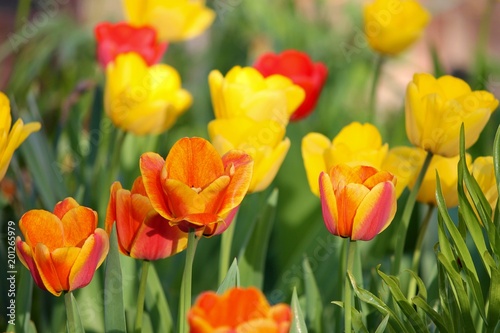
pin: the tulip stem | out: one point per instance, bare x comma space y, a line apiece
141, 296
418, 250
185, 300
351, 254
74, 322
373, 90
225, 250
405, 218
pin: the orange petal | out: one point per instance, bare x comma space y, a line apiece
151, 165
138, 187
40, 226
258, 326
156, 239
129, 217
46, 269
348, 201
62, 207
328, 204
91, 256
379, 177
239, 166
25, 255
78, 223
182, 199
111, 209
63, 259
375, 212
194, 161
221, 227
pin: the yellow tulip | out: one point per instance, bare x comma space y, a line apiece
142, 99
484, 173
356, 144
175, 20
436, 108
406, 162
263, 140
391, 26
245, 92
11, 138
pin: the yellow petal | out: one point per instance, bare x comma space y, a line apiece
313, 148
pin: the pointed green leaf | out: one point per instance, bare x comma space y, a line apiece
298, 324
314, 304
252, 257
435, 317
383, 325
356, 318
74, 322
494, 300
114, 311
231, 280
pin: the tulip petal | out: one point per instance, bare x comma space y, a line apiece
374, 214
182, 199
156, 239
193, 161
129, 217
151, 165
63, 260
25, 255
348, 201
91, 256
453, 87
111, 209
328, 204
46, 269
239, 166
267, 165
78, 223
313, 147
40, 226
64, 206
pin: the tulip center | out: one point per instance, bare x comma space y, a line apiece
196, 189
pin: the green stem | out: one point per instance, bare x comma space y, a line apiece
23, 11
347, 292
225, 250
373, 90
418, 250
405, 218
141, 296
185, 300
74, 323
115, 159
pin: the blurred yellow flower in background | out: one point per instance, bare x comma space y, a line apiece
175, 20
405, 163
484, 172
251, 114
436, 108
356, 144
11, 138
391, 26
142, 99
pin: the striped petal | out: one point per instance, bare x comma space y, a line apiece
63, 260
239, 166
46, 269
25, 255
328, 204
64, 206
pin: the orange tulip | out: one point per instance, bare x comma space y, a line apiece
194, 188
62, 250
357, 202
238, 310
142, 232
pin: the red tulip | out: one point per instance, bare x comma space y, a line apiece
114, 39
298, 67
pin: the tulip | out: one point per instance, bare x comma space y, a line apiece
391, 26
114, 39
62, 249
484, 172
142, 99
356, 144
142, 232
11, 138
175, 20
357, 202
406, 162
238, 310
298, 67
194, 188
436, 108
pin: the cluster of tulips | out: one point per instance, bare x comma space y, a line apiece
196, 190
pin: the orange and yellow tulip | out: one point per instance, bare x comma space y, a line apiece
357, 202
238, 310
194, 187
11, 138
436, 108
142, 232
356, 144
62, 249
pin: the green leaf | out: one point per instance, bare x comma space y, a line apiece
369, 298
74, 322
393, 283
314, 304
463, 251
253, 254
383, 325
356, 318
435, 317
114, 311
156, 304
231, 280
494, 300
298, 324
